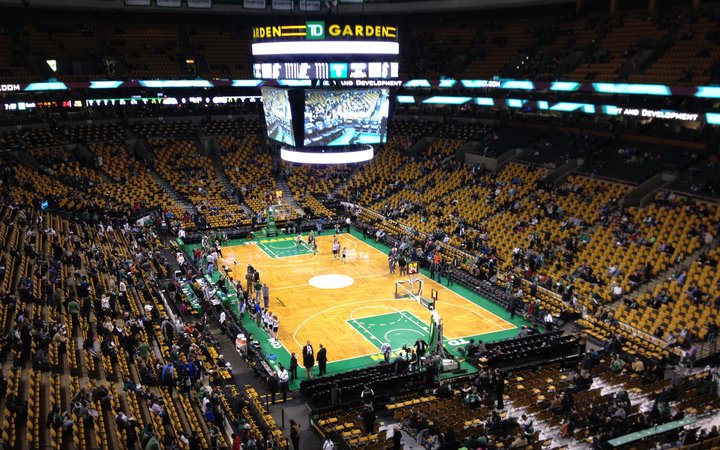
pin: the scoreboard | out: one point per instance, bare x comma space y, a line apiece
336, 104
326, 70
320, 51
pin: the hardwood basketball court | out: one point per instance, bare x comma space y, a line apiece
350, 307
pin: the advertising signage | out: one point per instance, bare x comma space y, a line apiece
319, 30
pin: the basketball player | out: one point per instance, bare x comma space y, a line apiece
344, 255
336, 249
266, 316
311, 238
274, 325
299, 239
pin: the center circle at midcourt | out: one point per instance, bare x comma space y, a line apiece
331, 281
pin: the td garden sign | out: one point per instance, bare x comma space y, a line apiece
318, 30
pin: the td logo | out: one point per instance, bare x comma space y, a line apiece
315, 30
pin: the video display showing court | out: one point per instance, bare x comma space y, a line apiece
351, 307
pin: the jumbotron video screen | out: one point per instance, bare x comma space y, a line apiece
278, 115
346, 117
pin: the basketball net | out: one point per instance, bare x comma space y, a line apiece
408, 288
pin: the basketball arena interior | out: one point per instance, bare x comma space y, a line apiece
359, 224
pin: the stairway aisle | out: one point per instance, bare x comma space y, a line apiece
175, 195
664, 275
230, 190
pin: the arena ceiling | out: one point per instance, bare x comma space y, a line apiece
351, 7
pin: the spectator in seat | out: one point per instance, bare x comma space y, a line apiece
428, 438
519, 442
470, 349
617, 363
472, 398
449, 441
638, 366
549, 322
445, 390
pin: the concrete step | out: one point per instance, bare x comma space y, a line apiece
175, 195
662, 276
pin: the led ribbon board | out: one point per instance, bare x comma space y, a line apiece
280, 48
544, 105
372, 64
329, 157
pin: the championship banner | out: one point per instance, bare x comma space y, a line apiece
168, 3
137, 2
309, 5
254, 4
282, 5
199, 4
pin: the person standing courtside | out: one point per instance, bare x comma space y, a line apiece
257, 287
293, 366
386, 350
249, 281
273, 384
437, 260
283, 377
420, 348
402, 264
308, 360
266, 295
322, 360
